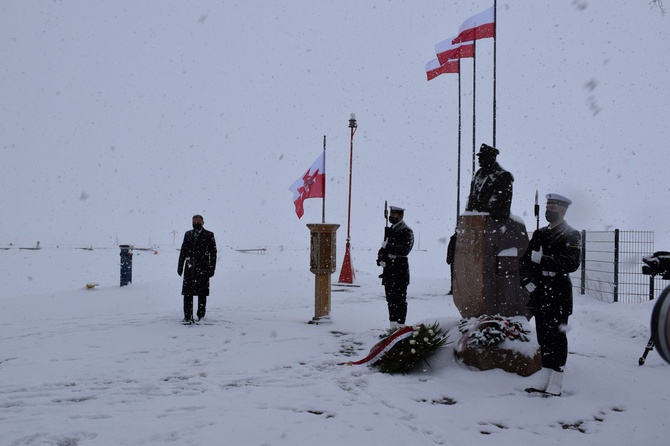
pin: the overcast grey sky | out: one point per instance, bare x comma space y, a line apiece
120, 120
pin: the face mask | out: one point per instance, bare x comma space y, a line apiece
393, 220
551, 216
197, 226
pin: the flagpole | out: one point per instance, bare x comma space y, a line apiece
323, 203
458, 175
474, 101
495, 44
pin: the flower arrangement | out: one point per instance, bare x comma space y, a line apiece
413, 345
490, 330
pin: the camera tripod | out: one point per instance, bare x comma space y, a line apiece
647, 349
660, 328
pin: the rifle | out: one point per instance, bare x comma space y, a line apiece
537, 211
381, 254
386, 217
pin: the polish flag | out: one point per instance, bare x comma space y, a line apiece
447, 50
311, 185
434, 69
480, 26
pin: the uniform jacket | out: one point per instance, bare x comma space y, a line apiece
399, 243
491, 191
197, 262
561, 255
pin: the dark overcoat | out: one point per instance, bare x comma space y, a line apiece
197, 262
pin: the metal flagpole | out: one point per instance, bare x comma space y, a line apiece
495, 44
323, 205
474, 101
458, 175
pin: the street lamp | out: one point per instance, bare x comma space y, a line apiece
347, 273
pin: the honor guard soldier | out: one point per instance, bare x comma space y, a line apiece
392, 257
553, 253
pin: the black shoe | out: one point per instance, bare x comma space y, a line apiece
533, 390
187, 321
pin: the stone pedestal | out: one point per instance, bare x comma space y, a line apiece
495, 357
486, 266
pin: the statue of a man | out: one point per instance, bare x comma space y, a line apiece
491, 187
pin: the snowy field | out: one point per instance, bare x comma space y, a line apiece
113, 366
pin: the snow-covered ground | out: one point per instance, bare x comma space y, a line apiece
113, 366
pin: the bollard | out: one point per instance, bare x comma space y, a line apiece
126, 264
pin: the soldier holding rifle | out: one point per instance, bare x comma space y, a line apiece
544, 269
397, 244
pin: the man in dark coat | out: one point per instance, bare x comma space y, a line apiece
544, 269
393, 258
491, 187
197, 262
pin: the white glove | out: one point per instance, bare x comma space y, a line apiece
536, 256
530, 286
384, 243
382, 264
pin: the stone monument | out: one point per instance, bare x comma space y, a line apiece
489, 243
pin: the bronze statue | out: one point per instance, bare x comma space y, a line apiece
491, 187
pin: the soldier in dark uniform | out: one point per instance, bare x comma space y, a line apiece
451, 257
553, 253
197, 262
491, 187
393, 258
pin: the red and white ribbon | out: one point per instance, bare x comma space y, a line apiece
384, 345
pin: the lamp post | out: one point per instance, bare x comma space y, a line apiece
347, 274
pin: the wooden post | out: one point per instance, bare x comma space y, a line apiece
322, 262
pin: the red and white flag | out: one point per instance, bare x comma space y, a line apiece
312, 184
434, 68
480, 26
447, 50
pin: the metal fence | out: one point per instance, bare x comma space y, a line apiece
611, 267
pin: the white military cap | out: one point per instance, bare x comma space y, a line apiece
397, 209
559, 200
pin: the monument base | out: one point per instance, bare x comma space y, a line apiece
486, 266
494, 357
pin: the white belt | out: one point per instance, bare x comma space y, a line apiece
393, 256
549, 273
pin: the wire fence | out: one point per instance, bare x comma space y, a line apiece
611, 267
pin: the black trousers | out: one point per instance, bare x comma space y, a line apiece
396, 298
188, 306
550, 327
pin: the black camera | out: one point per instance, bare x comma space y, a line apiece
657, 264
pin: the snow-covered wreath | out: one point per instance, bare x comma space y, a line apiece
490, 330
400, 351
